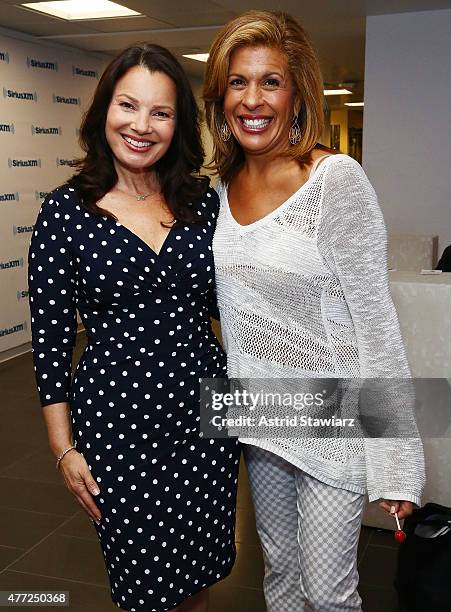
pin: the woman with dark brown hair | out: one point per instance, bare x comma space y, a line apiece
302, 285
127, 243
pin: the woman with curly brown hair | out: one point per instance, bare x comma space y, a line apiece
127, 243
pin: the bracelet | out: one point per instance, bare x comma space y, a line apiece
62, 455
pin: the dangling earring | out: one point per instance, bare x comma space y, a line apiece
294, 135
225, 131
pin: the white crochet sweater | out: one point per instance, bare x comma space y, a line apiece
304, 292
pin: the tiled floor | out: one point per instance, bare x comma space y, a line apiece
48, 543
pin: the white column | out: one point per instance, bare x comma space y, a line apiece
406, 135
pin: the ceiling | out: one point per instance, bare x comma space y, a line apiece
337, 28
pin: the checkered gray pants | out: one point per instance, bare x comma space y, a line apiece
309, 533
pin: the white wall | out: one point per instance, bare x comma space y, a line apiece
43, 92
406, 135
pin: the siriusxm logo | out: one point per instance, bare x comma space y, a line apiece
65, 162
22, 295
64, 100
34, 63
4, 56
12, 263
36, 129
6, 331
40, 195
30, 96
7, 128
24, 163
9, 197
22, 229
86, 73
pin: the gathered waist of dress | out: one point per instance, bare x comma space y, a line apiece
144, 327
190, 346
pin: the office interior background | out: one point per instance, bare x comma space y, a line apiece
394, 59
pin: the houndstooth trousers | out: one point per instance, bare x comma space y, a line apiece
309, 533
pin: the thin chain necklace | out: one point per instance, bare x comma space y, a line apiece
140, 197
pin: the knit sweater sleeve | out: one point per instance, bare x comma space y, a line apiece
353, 243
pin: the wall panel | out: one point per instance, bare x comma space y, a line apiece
43, 93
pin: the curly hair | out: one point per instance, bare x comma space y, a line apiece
177, 171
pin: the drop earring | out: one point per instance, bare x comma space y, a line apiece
294, 135
225, 131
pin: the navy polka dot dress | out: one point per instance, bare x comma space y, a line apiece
167, 495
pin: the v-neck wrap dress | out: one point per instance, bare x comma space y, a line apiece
167, 495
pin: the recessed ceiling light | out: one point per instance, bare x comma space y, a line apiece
337, 92
199, 57
354, 103
81, 9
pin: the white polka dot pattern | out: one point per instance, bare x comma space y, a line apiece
167, 496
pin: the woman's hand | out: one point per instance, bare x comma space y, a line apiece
79, 481
403, 508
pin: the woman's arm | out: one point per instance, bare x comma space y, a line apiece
51, 280
59, 429
73, 466
352, 240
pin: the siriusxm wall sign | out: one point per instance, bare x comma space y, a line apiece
13, 94
6, 331
12, 263
9, 197
7, 128
40, 195
65, 162
64, 100
22, 229
35, 63
46, 131
76, 71
24, 163
43, 91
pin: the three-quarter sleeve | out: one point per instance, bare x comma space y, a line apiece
52, 302
352, 240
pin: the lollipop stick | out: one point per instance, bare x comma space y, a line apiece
397, 521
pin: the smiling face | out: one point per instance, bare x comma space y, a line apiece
259, 101
141, 118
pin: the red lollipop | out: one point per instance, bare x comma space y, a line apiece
400, 535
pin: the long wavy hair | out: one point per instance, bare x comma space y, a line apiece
177, 171
280, 31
